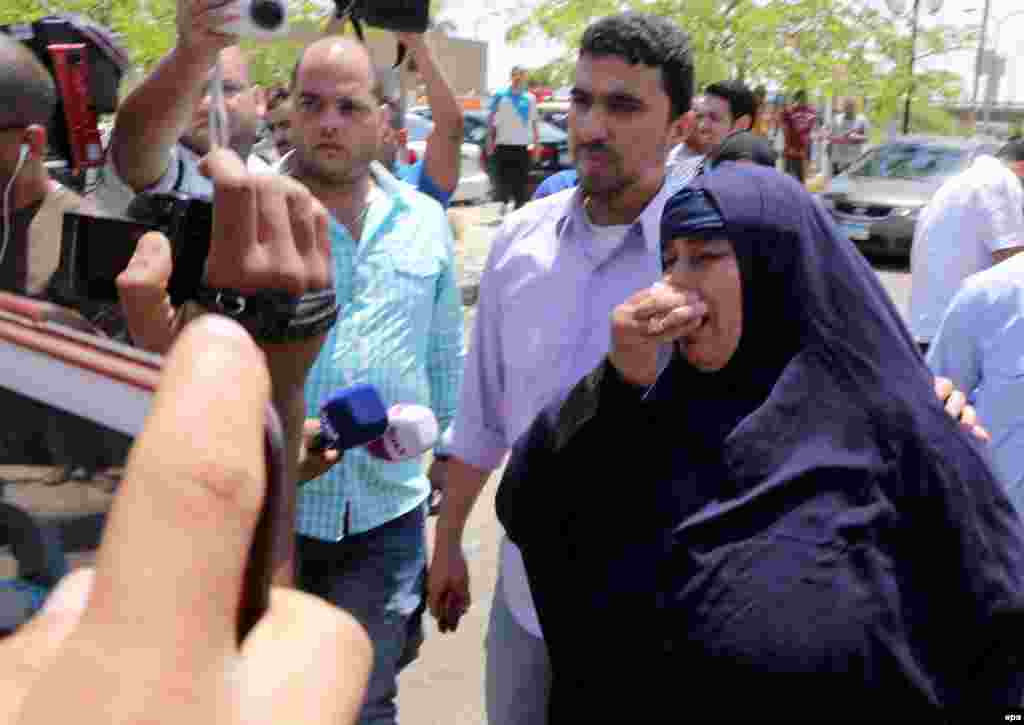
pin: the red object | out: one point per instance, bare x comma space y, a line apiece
797, 124
71, 69
412, 157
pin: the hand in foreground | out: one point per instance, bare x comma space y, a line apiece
151, 634
958, 409
652, 317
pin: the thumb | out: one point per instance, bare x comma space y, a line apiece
142, 289
305, 661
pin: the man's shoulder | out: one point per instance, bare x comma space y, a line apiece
1001, 279
534, 227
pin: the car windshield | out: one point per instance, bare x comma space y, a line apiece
911, 161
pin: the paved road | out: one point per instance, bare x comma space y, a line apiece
445, 687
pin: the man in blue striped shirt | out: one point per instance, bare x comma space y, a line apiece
361, 541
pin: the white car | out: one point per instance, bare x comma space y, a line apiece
474, 184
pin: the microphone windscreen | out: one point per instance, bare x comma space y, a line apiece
412, 431
353, 417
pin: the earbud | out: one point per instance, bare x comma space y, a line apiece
25, 151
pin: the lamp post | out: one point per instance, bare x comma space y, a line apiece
995, 54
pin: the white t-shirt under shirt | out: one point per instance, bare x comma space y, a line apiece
182, 175
972, 215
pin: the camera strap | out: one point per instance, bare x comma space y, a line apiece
274, 316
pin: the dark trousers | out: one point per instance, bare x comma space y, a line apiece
379, 577
512, 171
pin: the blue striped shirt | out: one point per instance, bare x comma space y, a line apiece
401, 330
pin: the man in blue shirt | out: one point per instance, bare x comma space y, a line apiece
361, 541
437, 173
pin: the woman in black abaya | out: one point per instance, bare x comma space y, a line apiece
785, 519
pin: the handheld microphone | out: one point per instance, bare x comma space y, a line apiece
356, 416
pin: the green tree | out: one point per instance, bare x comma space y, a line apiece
828, 47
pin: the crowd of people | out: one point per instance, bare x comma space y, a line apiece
728, 463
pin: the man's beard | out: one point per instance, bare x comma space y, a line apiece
308, 165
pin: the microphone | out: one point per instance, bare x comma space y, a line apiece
356, 416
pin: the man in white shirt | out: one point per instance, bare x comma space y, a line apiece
980, 347
162, 127
974, 221
513, 125
849, 134
556, 270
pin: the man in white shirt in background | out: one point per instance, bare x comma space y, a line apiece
849, 135
974, 221
514, 125
162, 131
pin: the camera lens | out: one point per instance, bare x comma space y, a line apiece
267, 14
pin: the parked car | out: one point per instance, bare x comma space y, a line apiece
474, 183
554, 156
878, 199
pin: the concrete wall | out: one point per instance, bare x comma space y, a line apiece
463, 61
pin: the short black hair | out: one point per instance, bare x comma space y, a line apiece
800, 96
649, 39
28, 95
745, 146
740, 99
1012, 151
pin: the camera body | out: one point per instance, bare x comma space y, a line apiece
96, 249
261, 19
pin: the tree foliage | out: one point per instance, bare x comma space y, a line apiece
832, 48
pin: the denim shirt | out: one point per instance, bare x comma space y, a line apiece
400, 329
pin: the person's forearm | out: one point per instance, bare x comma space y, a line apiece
463, 484
154, 116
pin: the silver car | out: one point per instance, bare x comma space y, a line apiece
877, 200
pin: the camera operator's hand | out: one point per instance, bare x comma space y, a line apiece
151, 635
199, 28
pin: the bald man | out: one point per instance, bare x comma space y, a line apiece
33, 203
161, 130
361, 542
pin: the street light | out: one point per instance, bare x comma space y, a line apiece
995, 51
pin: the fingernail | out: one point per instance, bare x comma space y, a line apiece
72, 593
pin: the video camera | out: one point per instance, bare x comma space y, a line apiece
95, 249
87, 65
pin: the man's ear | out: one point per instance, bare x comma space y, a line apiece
682, 127
403, 136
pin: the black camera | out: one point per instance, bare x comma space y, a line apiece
95, 249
